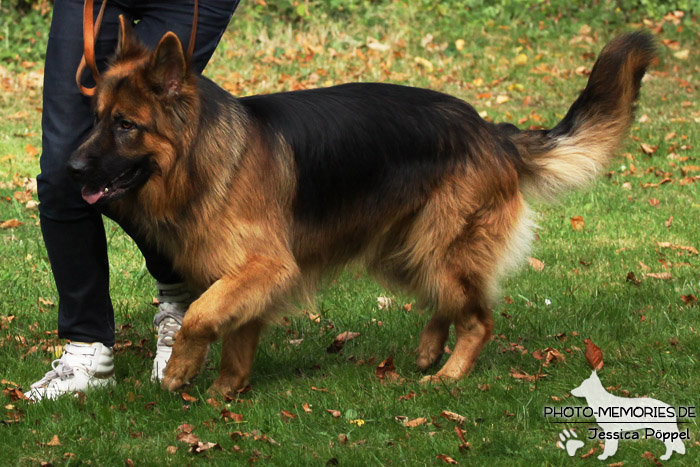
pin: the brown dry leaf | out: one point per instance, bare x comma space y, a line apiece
415, 422
340, 340
14, 394
446, 459
536, 264
689, 249
171, 449
616, 464
454, 417
659, 275
334, 413
465, 446
234, 417
201, 447
594, 356
648, 149
653, 202
524, 376
387, 366
54, 441
10, 224
689, 169
287, 415
552, 355
343, 438
689, 299
407, 397
306, 407
314, 388
632, 278
588, 454
185, 428
668, 222
188, 438
649, 456
577, 223
30, 150
408, 306
187, 398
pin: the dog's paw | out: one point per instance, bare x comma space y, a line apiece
568, 441
428, 359
437, 379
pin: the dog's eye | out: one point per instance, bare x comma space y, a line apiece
126, 124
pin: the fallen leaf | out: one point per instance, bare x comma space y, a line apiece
187, 398
188, 438
577, 223
588, 454
682, 54
407, 397
524, 376
54, 441
387, 366
689, 299
234, 417
340, 340
689, 249
454, 417
648, 149
334, 413
668, 222
465, 446
536, 264
632, 278
415, 422
306, 407
201, 447
447, 459
594, 356
653, 202
171, 449
287, 415
10, 224
659, 275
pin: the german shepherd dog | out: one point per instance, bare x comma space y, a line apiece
255, 198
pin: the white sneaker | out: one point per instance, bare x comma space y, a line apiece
173, 301
82, 366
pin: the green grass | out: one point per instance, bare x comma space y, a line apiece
648, 335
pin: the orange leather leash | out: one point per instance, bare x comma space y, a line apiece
90, 31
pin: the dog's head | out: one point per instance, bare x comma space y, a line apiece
144, 107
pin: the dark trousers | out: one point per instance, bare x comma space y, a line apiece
73, 230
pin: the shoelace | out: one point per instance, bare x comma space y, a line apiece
173, 299
60, 369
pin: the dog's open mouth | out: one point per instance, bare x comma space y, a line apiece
116, 188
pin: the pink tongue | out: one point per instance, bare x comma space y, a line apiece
91, 198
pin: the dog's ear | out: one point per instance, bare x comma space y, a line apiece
168, 69
128, 44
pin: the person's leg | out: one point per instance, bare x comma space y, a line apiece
73, 231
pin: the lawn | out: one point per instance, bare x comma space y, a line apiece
617, 263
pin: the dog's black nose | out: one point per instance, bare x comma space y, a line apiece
76, 167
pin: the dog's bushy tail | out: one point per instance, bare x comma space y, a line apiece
571, 154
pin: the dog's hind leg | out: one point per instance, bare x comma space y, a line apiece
237, 354
473, 326
231, 302
432, 341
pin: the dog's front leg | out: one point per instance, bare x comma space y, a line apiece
231, 302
